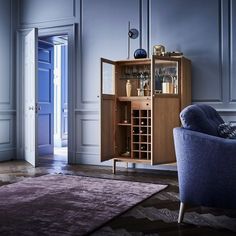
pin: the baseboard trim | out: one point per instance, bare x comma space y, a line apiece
7, 155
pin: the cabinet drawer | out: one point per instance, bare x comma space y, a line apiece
145, 105
141, 105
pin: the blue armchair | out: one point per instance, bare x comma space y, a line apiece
206, 163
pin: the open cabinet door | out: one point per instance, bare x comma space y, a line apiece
27, 66
107, 110
165, 110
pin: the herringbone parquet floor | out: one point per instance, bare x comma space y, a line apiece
156, 216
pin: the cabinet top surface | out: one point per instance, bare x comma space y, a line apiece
148, 60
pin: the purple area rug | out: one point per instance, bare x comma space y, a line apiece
65, 204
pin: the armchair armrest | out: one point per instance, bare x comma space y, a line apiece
206, 168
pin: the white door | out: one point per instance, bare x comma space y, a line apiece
27, 41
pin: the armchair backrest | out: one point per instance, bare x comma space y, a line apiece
202, 118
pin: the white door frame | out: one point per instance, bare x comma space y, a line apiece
71, 31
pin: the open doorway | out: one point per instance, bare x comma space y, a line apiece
27, 90
53, 97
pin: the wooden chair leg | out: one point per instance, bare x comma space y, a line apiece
181, 212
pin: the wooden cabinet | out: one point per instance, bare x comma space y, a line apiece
139, 128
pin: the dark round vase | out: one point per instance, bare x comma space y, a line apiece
140, 53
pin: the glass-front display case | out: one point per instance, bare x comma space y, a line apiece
165, 76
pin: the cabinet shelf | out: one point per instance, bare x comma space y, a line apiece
124, 124
131, 78
142, 125
134, 98
142, 117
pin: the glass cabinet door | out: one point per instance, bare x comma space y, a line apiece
165, 75
108, 77
107, 109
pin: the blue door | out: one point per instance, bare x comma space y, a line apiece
45, 98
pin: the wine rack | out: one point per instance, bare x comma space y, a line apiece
141, 134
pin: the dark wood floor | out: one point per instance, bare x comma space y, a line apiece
155, 216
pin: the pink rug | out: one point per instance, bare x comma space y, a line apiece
66, 205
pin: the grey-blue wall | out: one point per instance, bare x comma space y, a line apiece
203, 30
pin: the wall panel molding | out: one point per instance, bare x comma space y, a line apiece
145, 26
29, 11
7, 63
203, 45
219, 100
7, 81
6, 111
228, 116
232, 51
7, 132
87, 133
